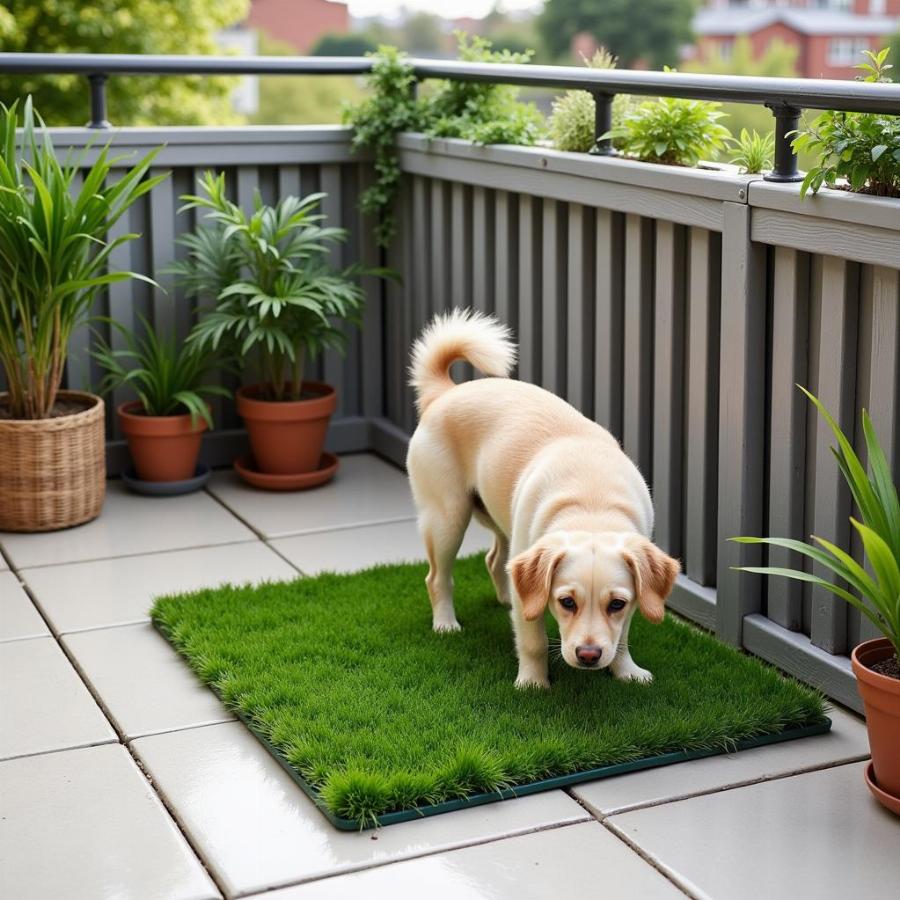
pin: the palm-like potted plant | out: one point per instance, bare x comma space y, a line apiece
165, 425
54, 258
873, 590
276, 299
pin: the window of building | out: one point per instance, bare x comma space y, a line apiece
877, 7
725, 50
844, 51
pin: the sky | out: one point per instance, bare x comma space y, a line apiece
450, 9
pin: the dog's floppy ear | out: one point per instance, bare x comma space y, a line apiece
532, 573
654, 575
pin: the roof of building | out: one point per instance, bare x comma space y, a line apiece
806, 21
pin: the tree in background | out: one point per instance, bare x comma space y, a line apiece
651, 31
353, 44
301, 99
422, 32
121, 26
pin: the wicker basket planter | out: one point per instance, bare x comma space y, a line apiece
53, 471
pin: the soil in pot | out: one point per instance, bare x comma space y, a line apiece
163, 448
287, 436
880, 692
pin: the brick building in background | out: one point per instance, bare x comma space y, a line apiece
829, 35
299, 23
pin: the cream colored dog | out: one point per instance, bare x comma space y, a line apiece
571, 514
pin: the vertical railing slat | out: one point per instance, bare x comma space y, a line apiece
668, 389
637, 371
529, 288
506, 259
440, 264
460, 238
579, 357
332, 204
741, 421
608, 319
372, 360
483, 255
553, 284
162, 244
702, 406
787, 428
836, 388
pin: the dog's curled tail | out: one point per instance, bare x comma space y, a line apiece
458, 334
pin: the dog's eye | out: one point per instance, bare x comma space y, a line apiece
568, 603
616, 605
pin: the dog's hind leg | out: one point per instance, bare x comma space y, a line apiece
443, 528
496, 558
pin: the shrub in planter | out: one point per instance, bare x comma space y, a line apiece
54, 258
572, 121
164, 426
672, 131
278, 298
860, 150
873, 590
753, 152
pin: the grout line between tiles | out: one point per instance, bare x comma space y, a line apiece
436, 851
601, 816
683, 885
93, 559
369, 523
84, 746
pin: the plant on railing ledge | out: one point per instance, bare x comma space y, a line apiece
672, 131
482, 113
572, 122
861, 149
753, 152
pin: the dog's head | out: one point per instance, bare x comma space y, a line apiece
592, 584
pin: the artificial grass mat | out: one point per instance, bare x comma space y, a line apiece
343, 678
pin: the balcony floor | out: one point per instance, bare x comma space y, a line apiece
122, 776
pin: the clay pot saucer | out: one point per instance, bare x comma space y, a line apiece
246, 468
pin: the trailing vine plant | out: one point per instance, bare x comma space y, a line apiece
482, 113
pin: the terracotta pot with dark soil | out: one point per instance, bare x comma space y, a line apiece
287, 436
163, 448
878, 680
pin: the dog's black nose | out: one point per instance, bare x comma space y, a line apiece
588, 654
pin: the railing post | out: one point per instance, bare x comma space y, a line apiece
787, 118
98, 120
602, 124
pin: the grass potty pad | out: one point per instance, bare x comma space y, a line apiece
381, 720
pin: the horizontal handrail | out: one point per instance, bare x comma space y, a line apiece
786, 97
805, 93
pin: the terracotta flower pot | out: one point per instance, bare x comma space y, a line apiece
881, 698
163, 448
287, 436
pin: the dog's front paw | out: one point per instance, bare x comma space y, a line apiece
446, 625
633, 673
532, 682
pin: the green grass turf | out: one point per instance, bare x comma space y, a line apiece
343, 675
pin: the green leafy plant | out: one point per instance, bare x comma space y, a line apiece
274, 289
166, 374
876, 595
483, 113
54, 253
672, 131
572, 121
861, 148
755, 152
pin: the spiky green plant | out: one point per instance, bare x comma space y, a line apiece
54, 252
167, 374
876, 595
753, 152
273, 287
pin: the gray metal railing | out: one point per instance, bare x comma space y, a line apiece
786, 97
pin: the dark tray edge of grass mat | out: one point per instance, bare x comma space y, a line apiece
533, 787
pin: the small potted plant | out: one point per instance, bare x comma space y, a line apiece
54, 258
278, 298
164, 426
874, 591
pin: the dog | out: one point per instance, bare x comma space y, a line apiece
570, 512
